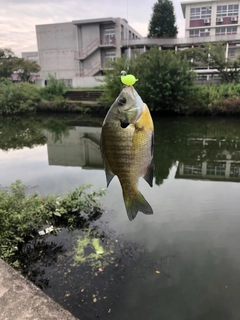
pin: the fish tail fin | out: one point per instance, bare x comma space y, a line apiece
135, 203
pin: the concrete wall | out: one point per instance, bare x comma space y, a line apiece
87, 82
56, 47
89, 33
33, 56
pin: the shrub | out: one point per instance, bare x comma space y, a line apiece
55, 88
18, 97
215, 99
164, 80
113, 85
22, 215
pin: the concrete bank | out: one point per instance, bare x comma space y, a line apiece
22, 300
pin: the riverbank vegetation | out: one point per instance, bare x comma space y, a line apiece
166, 83
25, 216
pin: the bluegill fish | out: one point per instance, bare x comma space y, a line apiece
127, 148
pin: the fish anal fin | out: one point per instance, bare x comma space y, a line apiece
149, 174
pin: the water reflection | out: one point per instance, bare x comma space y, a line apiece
193, 235
202, 148
19, 132
80, 147
202, 157
222, 164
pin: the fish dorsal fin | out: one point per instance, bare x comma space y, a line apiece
149, 174
109, 177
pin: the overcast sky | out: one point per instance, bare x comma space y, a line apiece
19, 17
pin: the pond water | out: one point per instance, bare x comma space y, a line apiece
189, 268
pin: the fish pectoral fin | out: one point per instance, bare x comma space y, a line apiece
149, 174
109, 177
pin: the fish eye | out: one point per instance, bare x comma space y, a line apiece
122, 101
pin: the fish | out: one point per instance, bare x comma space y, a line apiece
127, 143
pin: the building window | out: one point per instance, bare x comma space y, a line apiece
193, 169
200, 13
195, 13
227, 10
199, 33
216, 169
109, 36
206, 12
122, 32
109, 57
202, 77
231, 52
233, 10
234, 170
226, 30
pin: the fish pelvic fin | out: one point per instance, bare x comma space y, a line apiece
135, 203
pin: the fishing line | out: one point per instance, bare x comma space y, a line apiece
127, 79
127, 62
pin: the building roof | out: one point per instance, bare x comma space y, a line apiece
91, 21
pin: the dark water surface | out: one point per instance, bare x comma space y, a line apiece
192, 240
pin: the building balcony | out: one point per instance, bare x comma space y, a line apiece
178, 42
111, 42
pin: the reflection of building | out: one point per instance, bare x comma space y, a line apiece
225, 166
217, 170
80, 147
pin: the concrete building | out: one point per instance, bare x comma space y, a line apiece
78, 50
206, 21
211, 18
33, 56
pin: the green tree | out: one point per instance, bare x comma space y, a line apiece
113, 84
163, 20
7, 59
26, 69
214, 56
165, 80
16, 98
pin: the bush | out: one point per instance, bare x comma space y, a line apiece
113, 85
22, 215
164, 80
18, 97
54, 89
215, 99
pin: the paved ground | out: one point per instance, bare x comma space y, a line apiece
22, 300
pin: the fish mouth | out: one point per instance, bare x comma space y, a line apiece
124, 123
